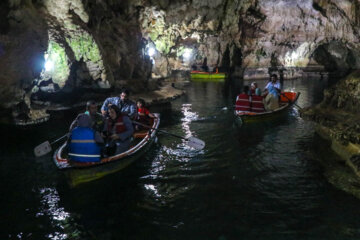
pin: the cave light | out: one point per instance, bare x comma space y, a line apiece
49, 65
187, 53
151, 51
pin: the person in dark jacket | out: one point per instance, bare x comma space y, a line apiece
84, 142
118, 129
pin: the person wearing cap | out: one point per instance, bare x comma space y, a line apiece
97, 119
122, 102
272, 93
84, 143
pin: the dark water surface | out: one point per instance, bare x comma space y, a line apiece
257, 181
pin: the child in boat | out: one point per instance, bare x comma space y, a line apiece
143, 114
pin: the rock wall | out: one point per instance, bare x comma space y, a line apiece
253, 34
337, 119
50, 48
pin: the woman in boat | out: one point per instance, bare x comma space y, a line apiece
118, 130
84, 142
243, 100
143, 114
254, 89
272, 94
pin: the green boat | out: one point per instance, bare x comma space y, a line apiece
207, 75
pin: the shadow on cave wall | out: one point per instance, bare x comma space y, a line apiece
337, 58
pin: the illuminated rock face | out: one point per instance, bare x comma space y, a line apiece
255, 34
101, 44
50, 48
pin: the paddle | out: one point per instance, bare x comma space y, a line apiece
45, 147
290, 101
191, 141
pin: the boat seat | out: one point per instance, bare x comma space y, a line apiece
140, 134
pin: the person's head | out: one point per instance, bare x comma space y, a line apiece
124, 94
84, 120
273, 77
114, 112
140, 103
91, 107
246, 89
254, 85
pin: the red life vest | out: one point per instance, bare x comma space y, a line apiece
242, 103
143, 115
257, 104
118, 127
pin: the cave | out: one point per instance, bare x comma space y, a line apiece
208, 174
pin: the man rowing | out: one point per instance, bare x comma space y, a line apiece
123, 102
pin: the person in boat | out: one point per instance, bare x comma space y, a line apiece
204, 65
118, 130
143, 114
84, 143
243, 100
272, 93
97, 119
123, 102
254, 89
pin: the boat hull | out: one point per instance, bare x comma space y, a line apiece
78, 173
249, 117
207, 75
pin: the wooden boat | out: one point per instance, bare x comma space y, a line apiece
287, 99
208, 75
81, 172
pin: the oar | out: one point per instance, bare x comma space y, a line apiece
290, 101
191, 141
45, 147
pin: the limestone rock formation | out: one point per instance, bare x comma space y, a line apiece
337, 119
253, 34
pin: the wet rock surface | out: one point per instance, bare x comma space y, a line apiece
338, 121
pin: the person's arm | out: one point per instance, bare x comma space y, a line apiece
132, 110
104, 107
129, 129
147, 112
98, 138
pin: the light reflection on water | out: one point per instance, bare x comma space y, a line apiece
50, 207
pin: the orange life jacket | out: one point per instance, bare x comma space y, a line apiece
118, 127
257, 104
242, 103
